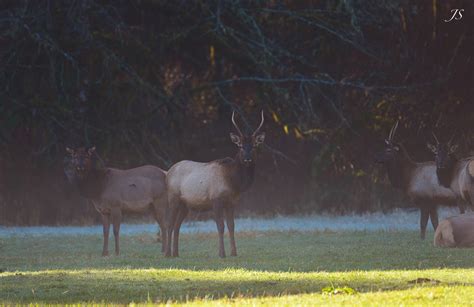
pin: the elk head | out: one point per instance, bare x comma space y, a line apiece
247, 143
444, 153
392, 149
80, 162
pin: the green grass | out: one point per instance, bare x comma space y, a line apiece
272, 268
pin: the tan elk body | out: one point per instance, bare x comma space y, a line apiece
215, 185
131, 190
455, 231
422, 183
114, 191
200, 183
418, 180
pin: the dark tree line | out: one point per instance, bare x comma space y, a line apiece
155, 82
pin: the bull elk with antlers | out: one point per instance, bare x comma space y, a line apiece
215, 185
113, 191
453, 173
418, 180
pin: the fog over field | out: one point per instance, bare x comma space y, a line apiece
401, 219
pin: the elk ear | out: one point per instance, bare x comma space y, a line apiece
69, 150
259, 138
235, 139
431, 147
91, 150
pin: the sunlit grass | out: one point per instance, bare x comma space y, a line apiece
416, 296
272, 268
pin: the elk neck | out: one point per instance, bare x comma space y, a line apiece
241, 175
401, 169
445, 175
93, 185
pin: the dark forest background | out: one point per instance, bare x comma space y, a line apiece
156, 81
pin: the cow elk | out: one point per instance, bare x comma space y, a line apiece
455, 231
114, 191
455, 174
417, 180
215, 185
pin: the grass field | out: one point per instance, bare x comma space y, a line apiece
273, 268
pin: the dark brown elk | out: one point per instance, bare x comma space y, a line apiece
114, 191
455, 231
418, 180
456, 174
215, 185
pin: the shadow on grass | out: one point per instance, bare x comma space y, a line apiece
124, 286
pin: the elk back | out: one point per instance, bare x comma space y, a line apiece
455, 231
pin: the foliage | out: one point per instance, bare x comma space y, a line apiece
155, 82
331, 290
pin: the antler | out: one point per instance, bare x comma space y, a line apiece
259, 127
451, 139
436, 139
392, 132
235, 125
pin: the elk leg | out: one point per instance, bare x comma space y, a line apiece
172, 215
106, 228
163, 236
434, 217
183, 211
425, 214
462, 208
229, 214
116, 219
159, 217
218, 211
469, 199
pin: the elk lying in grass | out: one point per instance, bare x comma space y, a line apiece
455, 231
213, 185
418, 180
457, 175
113, 191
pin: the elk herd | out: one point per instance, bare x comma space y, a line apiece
214, 185
445, 181
217, 186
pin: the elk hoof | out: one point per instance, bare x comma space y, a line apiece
105, 254
233, 254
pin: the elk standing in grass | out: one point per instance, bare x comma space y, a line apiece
213, 185
113, 191
418, 180
455, 174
